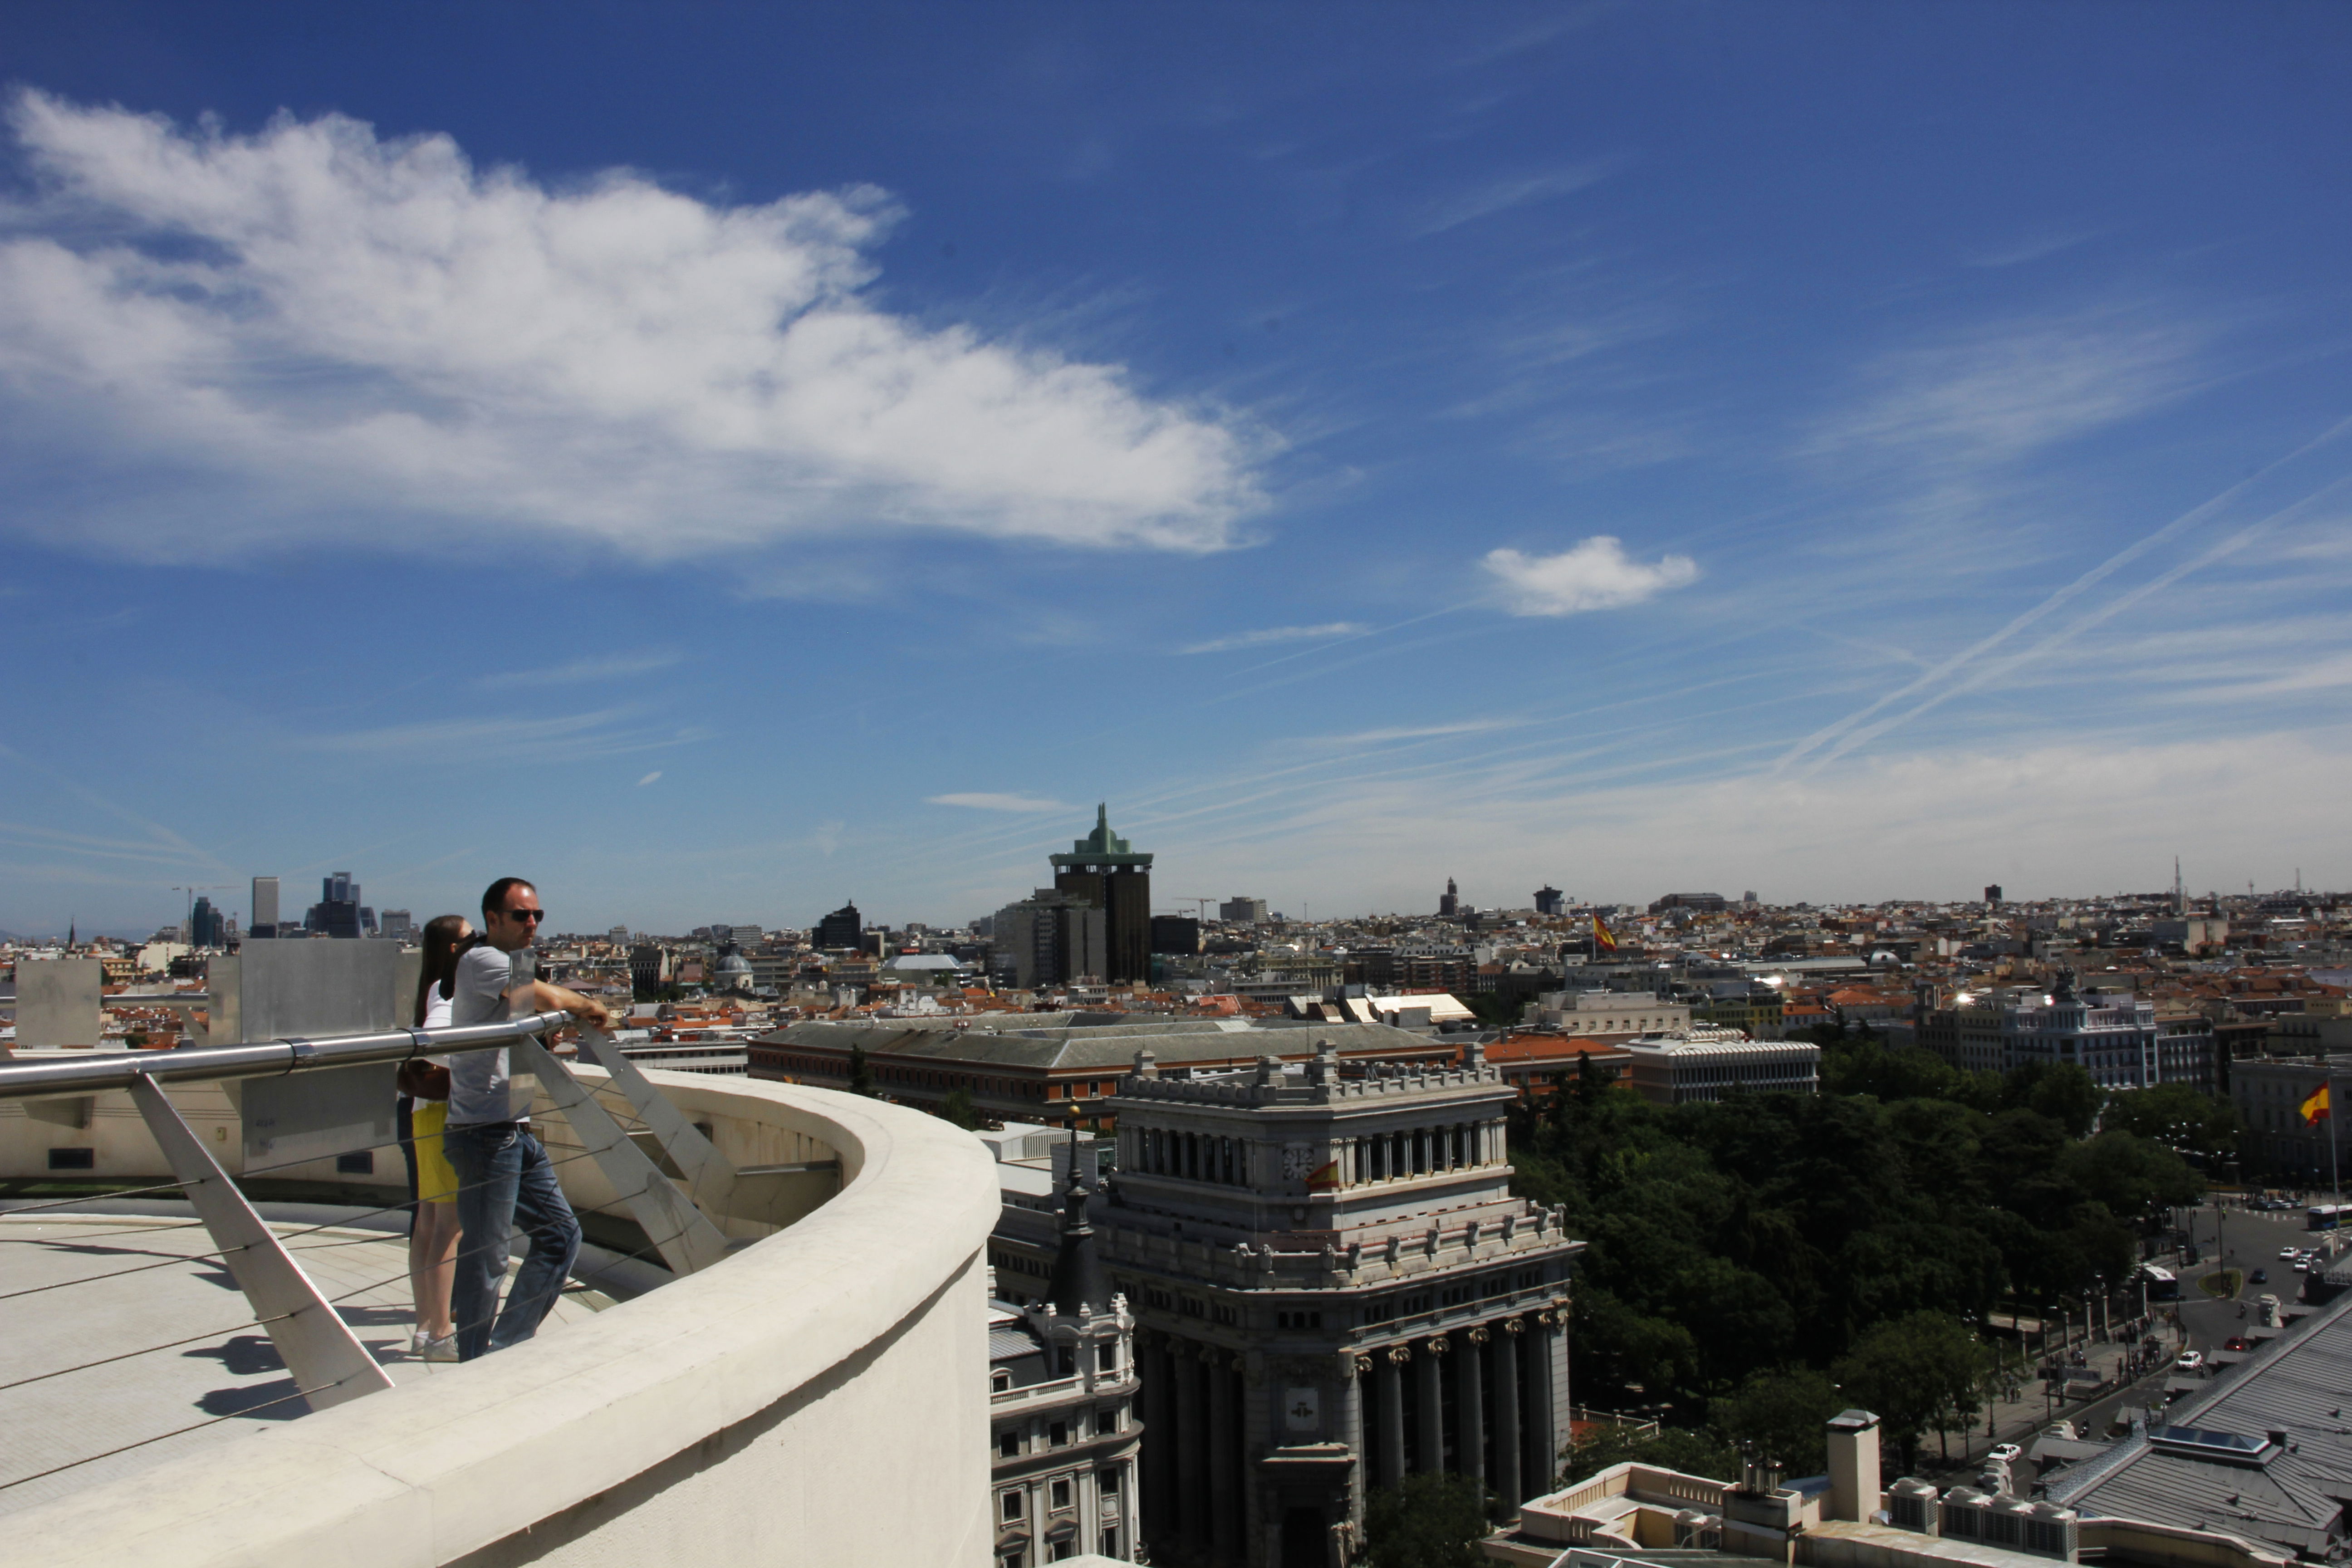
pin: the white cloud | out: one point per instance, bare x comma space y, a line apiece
649, 778
333, 331
608, 666
1515, 191
986, 802
1264, 636
1594, 573
2007, 391
500, 740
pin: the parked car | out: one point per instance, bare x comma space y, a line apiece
2006, 1453
2260, 1277
2237, 1343
2189, 1361
2061, 1429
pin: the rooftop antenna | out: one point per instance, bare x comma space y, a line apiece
2180, 897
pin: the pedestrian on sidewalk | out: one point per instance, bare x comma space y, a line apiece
503, 1173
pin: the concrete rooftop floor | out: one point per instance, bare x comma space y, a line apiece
216, 1376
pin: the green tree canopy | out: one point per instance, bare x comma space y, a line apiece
1784, 1412
2178, 1117
1920, 1371
1429, 1521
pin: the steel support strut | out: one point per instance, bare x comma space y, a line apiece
329, 1364
710, 1175
686, 1240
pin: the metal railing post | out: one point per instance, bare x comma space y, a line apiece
686, 1240
329, 1364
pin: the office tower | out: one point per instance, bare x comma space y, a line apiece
1549, 901
1992, 893
1050, 938
1238, 910
841, 928
1333, 1288
265, 907
1449, 902
1107, 872
201, 932
1175, 934
337, 912
396, 923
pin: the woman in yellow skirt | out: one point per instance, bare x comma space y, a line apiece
432, 1240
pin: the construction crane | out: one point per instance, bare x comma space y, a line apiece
1200, 906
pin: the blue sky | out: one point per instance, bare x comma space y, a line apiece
722, 460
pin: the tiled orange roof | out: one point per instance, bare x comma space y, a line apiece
1546, 1048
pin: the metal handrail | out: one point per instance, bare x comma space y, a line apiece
96, 1074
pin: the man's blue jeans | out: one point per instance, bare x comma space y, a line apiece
504, 1180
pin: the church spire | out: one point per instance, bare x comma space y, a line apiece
1078, 1279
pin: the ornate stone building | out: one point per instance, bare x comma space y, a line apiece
1334, 1287
1061, 1405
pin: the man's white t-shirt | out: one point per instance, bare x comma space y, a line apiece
479, 1090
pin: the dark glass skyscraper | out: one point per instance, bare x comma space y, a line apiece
1106, 870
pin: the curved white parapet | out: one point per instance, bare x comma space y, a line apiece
819, 1397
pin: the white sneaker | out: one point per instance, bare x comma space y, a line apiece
442, 1349
417, 1341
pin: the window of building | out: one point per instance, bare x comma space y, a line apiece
1057, 1434
1106, 1483
1008, 1442
1105, 1420
360, 1165
1063, 1552
999, 1379
1058, 1495
73, 1159
1110, 1543
1012, 1560
1009, 1504
1105, 1358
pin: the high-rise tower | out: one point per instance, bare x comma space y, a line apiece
1107, 872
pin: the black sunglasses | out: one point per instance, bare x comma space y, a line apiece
534, 916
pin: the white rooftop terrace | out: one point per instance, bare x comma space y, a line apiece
749, 1411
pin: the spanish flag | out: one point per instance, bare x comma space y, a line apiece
1601, 940
2315, 1110
1325, 1177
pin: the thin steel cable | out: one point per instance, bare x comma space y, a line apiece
176, 1432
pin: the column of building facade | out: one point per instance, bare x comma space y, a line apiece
1432, 1404
1470, 1402
1218, 1445
1349, 1427
1551, 1389
1189, 1501
1507, 1414
1258, 1392
1391, 1362
1157, 1517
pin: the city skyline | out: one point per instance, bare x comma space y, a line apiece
717, 466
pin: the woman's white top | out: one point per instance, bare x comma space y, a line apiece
437, 1017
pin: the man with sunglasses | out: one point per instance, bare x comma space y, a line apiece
504, 1178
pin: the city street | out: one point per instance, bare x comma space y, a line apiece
2231, 1237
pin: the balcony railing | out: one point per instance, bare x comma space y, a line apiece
822, 1340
